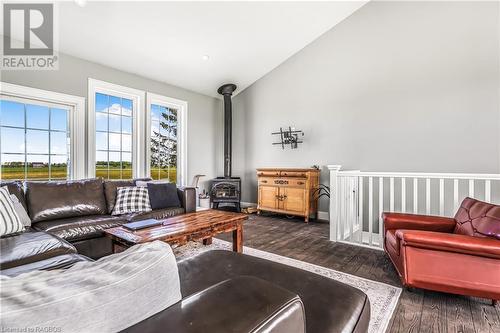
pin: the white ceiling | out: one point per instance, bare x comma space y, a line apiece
166, 41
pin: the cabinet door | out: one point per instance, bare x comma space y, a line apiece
295, 199
268, 197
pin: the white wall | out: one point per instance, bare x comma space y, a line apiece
203, 111
397, 86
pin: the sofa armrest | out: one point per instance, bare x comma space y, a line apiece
478, 246
188, 198
394, 221
242, 304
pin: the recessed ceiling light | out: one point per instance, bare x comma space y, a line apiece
205, 57
81, 3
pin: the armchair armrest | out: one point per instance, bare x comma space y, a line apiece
393, 221
187, 195
478, 246
243, 304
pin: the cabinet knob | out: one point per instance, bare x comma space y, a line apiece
300, 183
263, 181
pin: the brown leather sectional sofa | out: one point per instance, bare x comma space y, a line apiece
221, 291
78, 211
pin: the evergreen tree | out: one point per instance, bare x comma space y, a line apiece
164, 146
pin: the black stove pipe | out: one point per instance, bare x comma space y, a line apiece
226, 91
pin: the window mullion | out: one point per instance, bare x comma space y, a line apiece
25, 142
50, 138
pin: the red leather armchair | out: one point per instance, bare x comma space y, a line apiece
458, 255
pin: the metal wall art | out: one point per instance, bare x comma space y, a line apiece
289, 136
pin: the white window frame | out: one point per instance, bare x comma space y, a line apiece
76, 105
182, 110
137, 97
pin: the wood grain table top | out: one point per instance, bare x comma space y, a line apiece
208, 221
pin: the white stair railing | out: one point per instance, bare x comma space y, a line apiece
358, 199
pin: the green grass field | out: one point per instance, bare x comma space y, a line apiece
61, 173
34, 173
171, 174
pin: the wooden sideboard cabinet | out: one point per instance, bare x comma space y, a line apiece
288, 191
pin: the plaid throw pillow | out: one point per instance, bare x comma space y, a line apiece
131, 200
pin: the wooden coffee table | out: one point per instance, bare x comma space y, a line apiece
181, 229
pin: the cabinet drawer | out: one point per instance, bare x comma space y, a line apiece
268, 173
293, 174
293, 182
266, 181
297, 182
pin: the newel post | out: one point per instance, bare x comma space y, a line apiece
334, 200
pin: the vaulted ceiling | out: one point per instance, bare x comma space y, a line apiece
196, 45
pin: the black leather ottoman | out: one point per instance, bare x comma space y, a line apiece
330, 306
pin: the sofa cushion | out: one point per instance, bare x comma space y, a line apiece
110, 187
58, 262
28, 247
16, 187
81, 227
63, 199
107, 295
155, 214
477, 218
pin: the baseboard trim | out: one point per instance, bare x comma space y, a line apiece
324, 216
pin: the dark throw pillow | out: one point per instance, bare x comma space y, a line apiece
163, 195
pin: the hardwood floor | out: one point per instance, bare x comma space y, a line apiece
417, 311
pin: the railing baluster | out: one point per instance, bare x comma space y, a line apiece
403, 195
391, 185
380, 207
428, 196
471, 188
360, 198
441, 196
370, 210
455, 194
342, 208
346, 207
351, 204
415, 195
487, 191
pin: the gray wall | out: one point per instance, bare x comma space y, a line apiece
203, 111
397, 86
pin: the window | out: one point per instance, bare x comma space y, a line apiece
113, 123
36, 134
166, 145
114, 150
126, 142
163, 143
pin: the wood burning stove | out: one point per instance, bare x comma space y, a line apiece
227, 189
